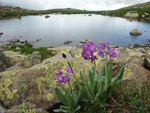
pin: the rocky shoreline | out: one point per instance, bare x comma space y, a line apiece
28, 82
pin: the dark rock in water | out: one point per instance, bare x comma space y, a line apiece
67, 42
89, 15
1, 33
147, 63
135, 32
4, 62
38, 40
47, 16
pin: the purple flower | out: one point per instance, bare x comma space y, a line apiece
63, 79
112, 53
59, 78
101, 52
104, 45
68, 71
88, 51
58, 72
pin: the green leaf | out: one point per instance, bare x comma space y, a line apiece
90, 82
82, 78
85, 92
70, 102
118, 78
60, 110
100, 90
77, 108
75, 96
61, 95
109, 73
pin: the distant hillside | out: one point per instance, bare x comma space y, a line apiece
142, 5
12, 11
142, 11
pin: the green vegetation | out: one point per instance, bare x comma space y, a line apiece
124, 99
122, 12
27, 49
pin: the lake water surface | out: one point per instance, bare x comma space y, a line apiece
57, 29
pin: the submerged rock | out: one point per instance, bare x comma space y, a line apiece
1, 33
135, 32
47, 16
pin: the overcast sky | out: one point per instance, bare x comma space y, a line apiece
78, 4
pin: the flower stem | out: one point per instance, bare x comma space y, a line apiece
94, 68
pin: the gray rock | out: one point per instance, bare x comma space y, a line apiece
18, 48
23, 41
14, 40
67, 42
135, 73
83, 41
135, 32
143, 16
47, 16
1, 33
4, 62
123, 56
142, 50
131, 14
38, 40
146, 14
75, 51
147, 19
147, 63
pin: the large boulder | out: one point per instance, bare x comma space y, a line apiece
135, 73
4, 62
36, 85
132, 14
135, 32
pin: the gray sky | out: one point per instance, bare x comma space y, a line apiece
78, 4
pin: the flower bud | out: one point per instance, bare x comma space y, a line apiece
63, 55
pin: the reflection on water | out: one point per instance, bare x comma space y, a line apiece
57, 29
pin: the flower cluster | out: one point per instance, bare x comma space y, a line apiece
61, 78
88, 51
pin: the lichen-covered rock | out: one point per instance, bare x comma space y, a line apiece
123, 56
76, 52
21, 60
26, 107
36, 85
4, 62
134, 73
